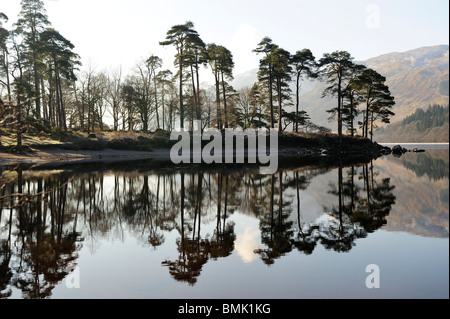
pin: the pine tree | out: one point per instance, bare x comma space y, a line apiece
195, 57
337, 68
180, 36
377, 98
221, 62
265, 72
32, 22
61, 63
153, 64
225, 64
351, 95
282, 71
304, 65
4, 63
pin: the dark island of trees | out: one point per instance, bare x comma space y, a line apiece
44, 91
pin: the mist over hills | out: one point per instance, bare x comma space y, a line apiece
417, 78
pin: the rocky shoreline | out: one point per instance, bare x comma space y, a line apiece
292, 150
57, 158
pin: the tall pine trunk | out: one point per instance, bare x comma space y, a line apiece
199, 113
156, 102
339, 109
181, 88
280, 108
219, 113
297, 105
36, 75
224, 102
272, 119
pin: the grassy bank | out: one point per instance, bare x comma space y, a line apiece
159, 139
77, 140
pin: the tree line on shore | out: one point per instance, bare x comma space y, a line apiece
41, 85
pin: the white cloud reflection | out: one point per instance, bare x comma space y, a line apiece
246, 243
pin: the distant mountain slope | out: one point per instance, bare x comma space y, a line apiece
430, 126
397, 133
416, 78
247, 79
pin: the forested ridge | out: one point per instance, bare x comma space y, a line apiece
434, 116
423, 126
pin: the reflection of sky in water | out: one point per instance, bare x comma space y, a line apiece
410, 267
248, 239
246, 243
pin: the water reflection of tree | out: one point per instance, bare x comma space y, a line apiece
305, 240
42, 217
49, 213
191, 255
276, 229
222, 242
360, 210
362, 207
5, 250
142, 210
372, 210
340, 233
193, 250
426, 164
46, 248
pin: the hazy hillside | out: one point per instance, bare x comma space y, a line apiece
397, 133
416, 78
247, 79
430, 126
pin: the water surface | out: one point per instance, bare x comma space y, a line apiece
304, 232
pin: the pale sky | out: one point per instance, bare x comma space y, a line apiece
113, 33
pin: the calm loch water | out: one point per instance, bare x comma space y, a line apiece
370, 230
